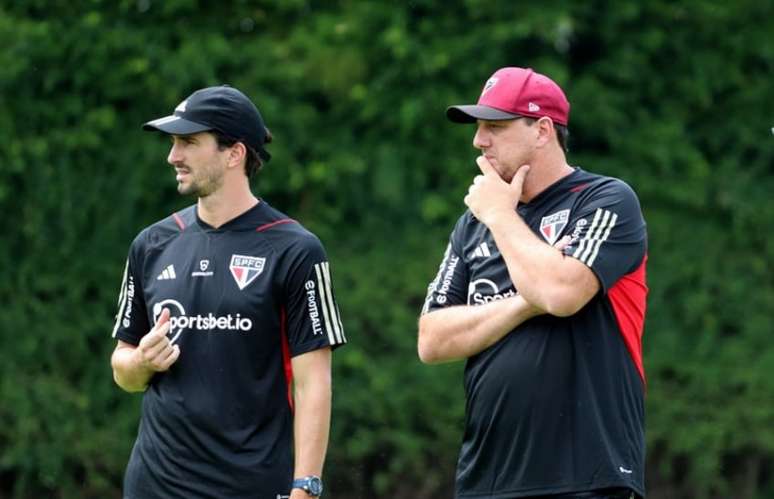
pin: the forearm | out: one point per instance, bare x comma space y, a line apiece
311, 424
127, 370
460, 332
535, 268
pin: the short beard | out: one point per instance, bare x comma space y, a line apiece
211, 181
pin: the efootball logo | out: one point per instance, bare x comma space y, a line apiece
245, 269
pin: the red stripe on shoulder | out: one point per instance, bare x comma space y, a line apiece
628, 298
179, 221
272, 224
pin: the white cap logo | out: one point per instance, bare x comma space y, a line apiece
491, 82
533, 108
181, 107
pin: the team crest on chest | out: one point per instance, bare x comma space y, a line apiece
245, 269
552, 225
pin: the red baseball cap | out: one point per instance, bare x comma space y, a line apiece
514, 92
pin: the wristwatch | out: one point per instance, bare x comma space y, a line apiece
311, 484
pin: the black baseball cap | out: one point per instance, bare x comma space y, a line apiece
221, 108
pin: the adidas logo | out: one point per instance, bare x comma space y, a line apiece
482, 251
167, 273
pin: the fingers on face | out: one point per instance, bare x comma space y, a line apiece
484, 165
478, 180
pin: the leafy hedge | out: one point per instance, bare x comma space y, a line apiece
674, 97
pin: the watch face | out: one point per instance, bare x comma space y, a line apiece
315, 486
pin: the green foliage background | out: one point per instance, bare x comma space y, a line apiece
676, 98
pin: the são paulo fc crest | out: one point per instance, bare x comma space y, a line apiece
491, 82
245, 269
552, 225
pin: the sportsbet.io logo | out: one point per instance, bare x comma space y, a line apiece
179, 321
483, 291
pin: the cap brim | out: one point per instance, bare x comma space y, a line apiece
471, 113
175, 125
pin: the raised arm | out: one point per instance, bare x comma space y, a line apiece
133, 366
559, 284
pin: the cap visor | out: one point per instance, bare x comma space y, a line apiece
175, 125
471, 113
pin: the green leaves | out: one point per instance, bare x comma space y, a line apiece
674, 98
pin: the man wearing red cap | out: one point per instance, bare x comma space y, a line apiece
542, 290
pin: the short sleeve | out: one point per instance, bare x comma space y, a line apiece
313, 319
450, 286
132, 319
608, 232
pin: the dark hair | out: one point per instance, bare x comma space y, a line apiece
253, 162
563, 136
562, 133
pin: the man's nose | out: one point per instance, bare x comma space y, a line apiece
481, 138
175, 156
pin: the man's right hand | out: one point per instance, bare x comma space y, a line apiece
155, 352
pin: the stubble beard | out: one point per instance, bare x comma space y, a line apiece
202, 184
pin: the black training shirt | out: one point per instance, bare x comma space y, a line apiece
244, 298
557, 404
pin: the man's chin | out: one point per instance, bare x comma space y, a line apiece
506, 177
186, 190
499, 173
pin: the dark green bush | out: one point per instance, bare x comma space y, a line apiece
673, 97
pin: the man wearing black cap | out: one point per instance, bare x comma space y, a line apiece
226, 321
542, 290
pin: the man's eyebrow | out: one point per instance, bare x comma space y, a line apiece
184, 138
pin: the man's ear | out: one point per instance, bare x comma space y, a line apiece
546, 131
237, 155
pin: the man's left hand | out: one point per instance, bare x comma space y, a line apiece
490, 196
299, 494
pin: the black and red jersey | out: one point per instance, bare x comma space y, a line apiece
244, 298
557, 405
